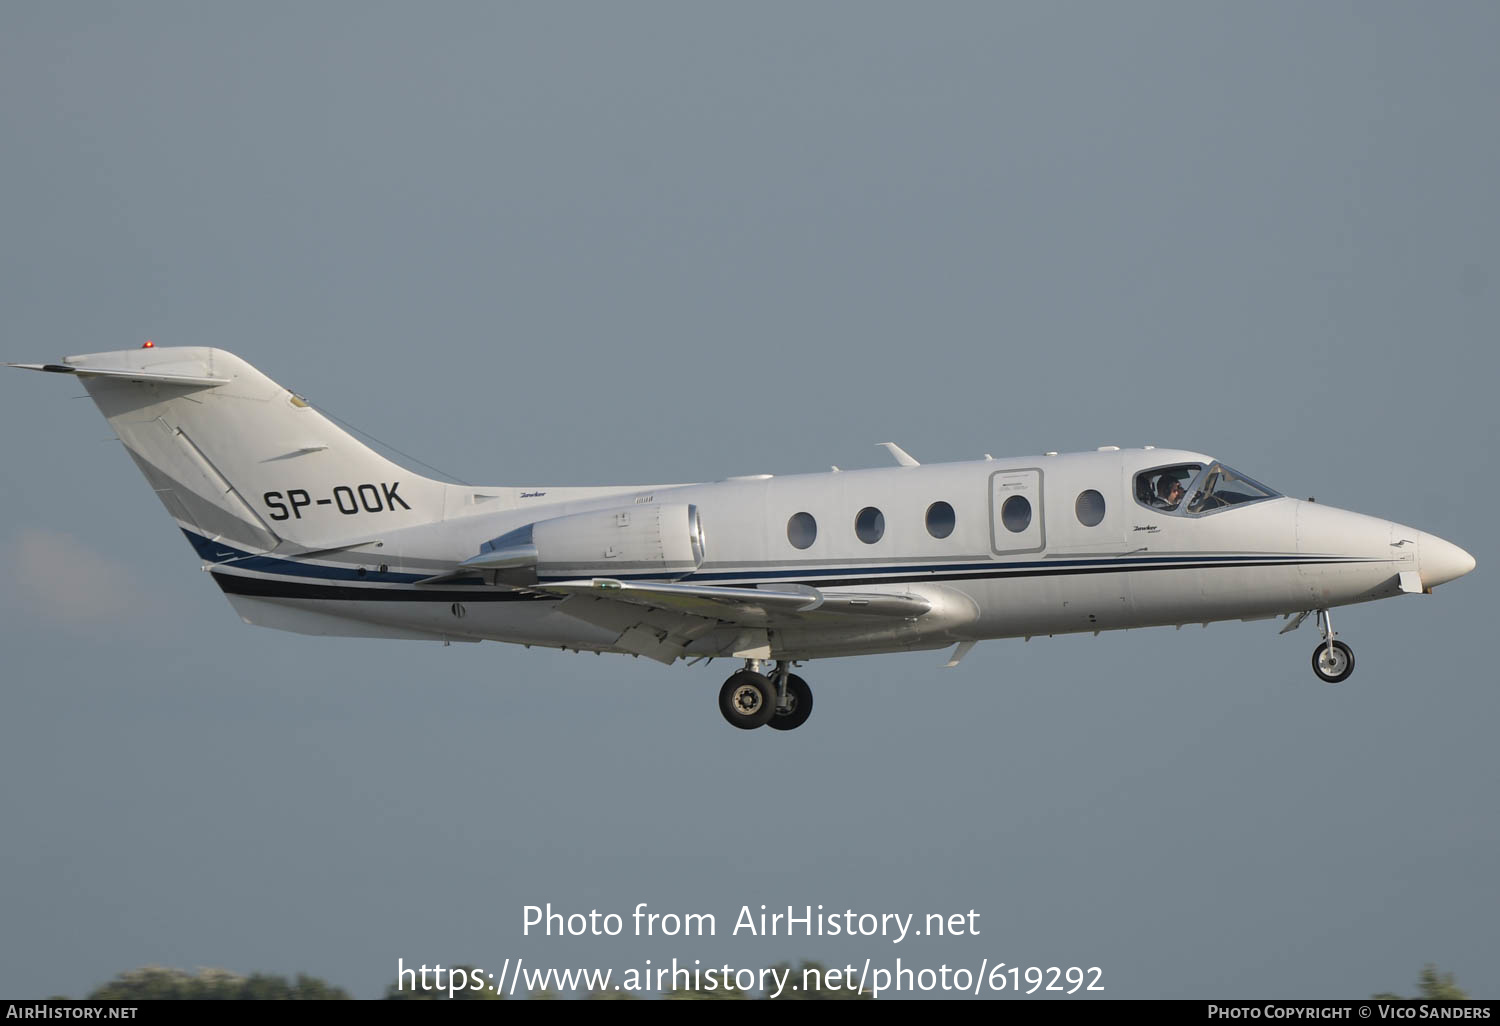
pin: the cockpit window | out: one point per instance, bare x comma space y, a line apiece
1189, 489
1164, 488
1220, 487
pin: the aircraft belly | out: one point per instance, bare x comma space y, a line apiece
1194, 593
1062, 604
1224, 592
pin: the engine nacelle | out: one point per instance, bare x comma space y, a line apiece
665, 541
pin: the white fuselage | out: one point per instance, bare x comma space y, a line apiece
1137, 566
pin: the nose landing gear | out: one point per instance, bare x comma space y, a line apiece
1332, 660
750, 699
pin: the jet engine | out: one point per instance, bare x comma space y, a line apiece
662, 541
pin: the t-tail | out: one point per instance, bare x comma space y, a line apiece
245, 466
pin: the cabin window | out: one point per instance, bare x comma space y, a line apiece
940, 520
1164, 488
1089, 508
1016, 514
869, 526
801, 530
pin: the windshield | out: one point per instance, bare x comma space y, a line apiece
1219, 487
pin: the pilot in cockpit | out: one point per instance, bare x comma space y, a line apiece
1169, 492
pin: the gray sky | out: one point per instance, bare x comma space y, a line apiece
598, 243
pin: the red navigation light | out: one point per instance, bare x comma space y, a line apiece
148, 344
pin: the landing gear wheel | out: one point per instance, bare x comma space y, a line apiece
747, 700
1332, 667
798, 702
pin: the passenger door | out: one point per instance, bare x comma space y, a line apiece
1016, 514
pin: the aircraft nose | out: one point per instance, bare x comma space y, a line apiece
1441, 561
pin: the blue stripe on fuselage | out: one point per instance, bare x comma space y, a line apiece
230, 557
227, 555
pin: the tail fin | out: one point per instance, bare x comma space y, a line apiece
242, 463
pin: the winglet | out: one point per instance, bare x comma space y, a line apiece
899, 454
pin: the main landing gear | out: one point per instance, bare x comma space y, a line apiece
1332, 660
781, 701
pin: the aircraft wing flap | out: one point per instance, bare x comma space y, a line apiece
658, 634
660, 620
756, 607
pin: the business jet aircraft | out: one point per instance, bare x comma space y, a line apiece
306, 529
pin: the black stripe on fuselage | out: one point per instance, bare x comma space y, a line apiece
282, 587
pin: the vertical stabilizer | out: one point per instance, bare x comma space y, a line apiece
243, 463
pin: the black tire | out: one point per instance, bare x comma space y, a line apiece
747, 700
1338, 668
799, 699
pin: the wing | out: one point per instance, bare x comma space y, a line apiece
758, 607
660, 620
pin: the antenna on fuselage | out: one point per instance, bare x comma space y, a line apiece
901, 456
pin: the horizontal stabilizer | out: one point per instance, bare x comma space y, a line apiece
159, 377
